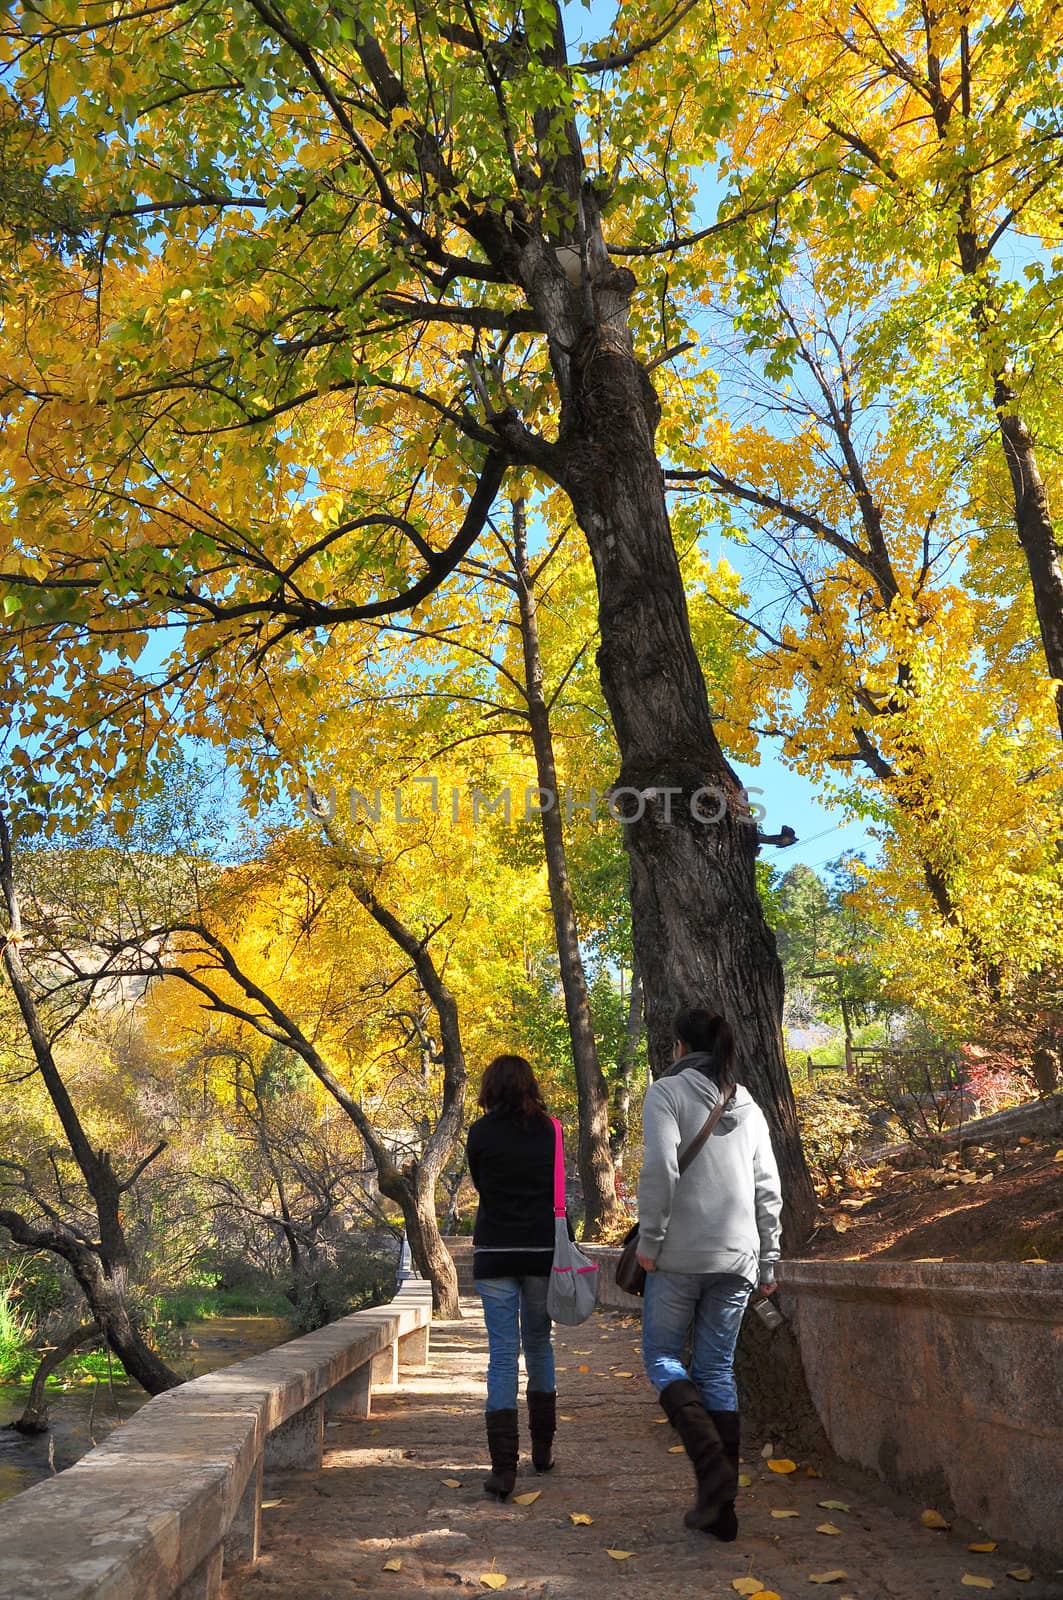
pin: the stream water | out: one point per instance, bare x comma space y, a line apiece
82, 1417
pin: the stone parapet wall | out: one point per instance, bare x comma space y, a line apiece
946, 1379
173, 1497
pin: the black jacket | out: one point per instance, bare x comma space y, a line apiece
512, 1165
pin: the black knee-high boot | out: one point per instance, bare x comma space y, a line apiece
542, 1421
727, 1426
716, 1477
503, 1443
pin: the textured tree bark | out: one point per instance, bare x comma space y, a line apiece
1033, 523
621, 1110
699, 931
433, 1260
593, 1157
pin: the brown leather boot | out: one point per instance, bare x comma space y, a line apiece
503, 1442
542, 1420
725, 1527
717, 1480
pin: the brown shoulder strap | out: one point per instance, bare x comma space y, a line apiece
713, 1118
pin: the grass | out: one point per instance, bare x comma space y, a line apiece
176, 1308
199, 1303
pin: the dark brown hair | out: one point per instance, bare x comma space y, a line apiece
709, 1033
509, 1086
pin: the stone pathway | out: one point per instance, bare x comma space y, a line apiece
398, 1509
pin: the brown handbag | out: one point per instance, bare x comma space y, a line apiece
630, 1273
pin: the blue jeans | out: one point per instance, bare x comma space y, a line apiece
713, 1303
515, 1314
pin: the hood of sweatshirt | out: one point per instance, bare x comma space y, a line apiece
693, 1068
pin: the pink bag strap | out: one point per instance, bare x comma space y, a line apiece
559, 1169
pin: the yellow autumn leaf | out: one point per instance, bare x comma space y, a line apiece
782, 1464
748, 1586
744, 1480
970, 1581
623, 1374
583, 1369
451, 1483
493, 1580
832, 1505
675, 1450
580, 1518
619, 1555
827, 1577
528, 1499
1021, 1574
392, 1566
1058, 1156
983, 1549
934, 1519
827, 1527
786, 1513
267, 1505
765, 1594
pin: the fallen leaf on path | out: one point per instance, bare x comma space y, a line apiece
567, 1419
583, 1369
768, 1450
659, 1422
748, 1586
1057, 1157
493, 1580
451, 1483
580, 1518
1021, 1574
786, 1513
934, 1519
1034, 1261
267, 1505
827, 1527
619, 1555
623, 1374
675, 1450
527, 1499
827, 1577
971, 1582
392, 1566
833, 1505
766, 1594
744, 1480
983, 1549
782, 1464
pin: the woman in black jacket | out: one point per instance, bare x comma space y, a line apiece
511, 1161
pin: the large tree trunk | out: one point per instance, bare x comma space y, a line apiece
621, 1112
1033, 523
594, 1157
699, 931
431, 1256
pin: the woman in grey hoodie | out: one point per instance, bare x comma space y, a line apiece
706, 1239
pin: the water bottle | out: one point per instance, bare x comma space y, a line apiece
768, 1312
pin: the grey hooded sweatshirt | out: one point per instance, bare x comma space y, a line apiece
722, 1215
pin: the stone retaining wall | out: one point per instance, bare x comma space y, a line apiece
945, 1378
1036, 1119
173, 1497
